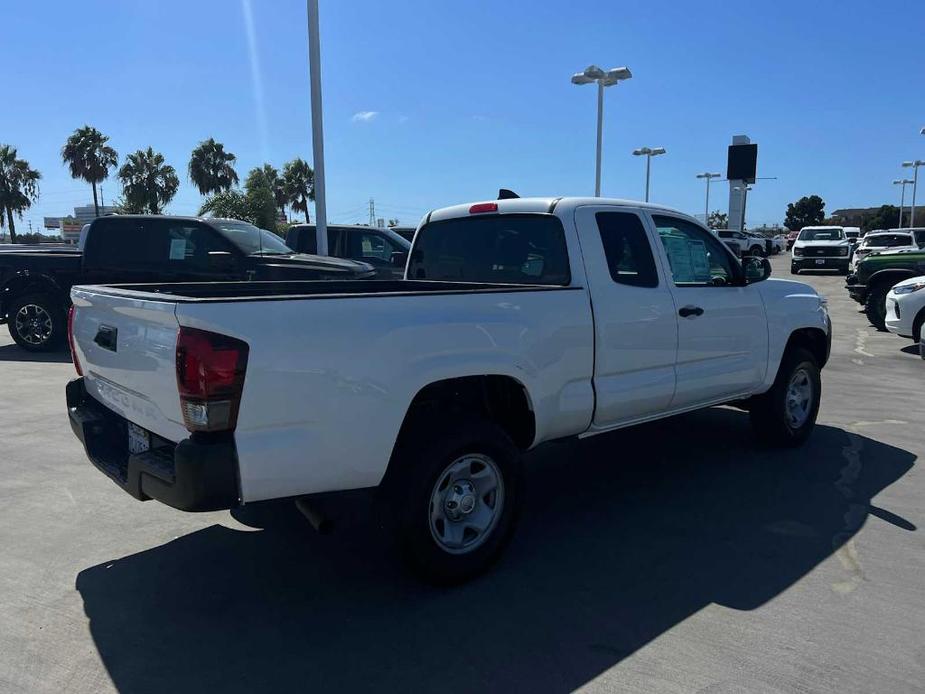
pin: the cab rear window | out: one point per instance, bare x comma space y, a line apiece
504, 248
889, 241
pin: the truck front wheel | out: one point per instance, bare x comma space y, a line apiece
875, 305
36, 322
454, 499
786, 414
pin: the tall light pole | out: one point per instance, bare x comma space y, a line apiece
902, 197
314, 70
914, 165
608, 78
648, 152
706, 208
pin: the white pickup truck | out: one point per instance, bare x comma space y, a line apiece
519, 321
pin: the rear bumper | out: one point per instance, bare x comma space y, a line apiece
827, 263
193, 475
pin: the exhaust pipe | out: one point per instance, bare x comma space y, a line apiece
322, 524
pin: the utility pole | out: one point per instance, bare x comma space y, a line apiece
314, 70
372, 212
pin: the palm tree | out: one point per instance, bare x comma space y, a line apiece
89, 158
148, 184
210, 168
19, 187
299, 183
271, 177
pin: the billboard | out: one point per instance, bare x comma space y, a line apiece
742, 164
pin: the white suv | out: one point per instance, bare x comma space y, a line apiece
887, 239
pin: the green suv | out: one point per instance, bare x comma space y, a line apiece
875, 276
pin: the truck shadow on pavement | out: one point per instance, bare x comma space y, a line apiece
623, 537
13, 352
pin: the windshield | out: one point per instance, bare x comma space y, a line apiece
250, 239
888, 241
822, 235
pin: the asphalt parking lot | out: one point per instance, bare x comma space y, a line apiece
674, 557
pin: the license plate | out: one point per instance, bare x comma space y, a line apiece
139, 440
820, 261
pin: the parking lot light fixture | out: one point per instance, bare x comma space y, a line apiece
706, 210
648, 153
902, 196
603, 78
914, 165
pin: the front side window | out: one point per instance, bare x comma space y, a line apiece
498, 248
249, 239
184, 244
626, 247
370, 247
919, 238
696, 258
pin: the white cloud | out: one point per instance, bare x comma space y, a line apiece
403, 119
364, 116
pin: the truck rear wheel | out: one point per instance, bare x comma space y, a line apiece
37, 323
454, 498
786, 415
875, 305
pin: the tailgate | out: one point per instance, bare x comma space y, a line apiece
127, 346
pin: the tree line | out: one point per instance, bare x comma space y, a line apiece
810, 211
149, 183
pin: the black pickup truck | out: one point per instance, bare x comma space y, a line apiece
35, 286
382, 248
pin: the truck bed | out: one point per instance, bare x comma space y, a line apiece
328, 382
199, 292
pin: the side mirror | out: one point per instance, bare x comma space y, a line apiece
399, 258
756, 269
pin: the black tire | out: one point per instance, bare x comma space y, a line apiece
875, 305
917, 326
770, 417
37, 307
794, 269
756, 250
421, 461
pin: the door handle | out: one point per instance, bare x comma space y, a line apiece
690, 311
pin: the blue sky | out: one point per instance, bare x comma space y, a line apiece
467, 97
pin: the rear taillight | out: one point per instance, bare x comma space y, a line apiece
210, 378
71, 312
483, 207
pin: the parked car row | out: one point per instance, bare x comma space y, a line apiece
517, 321
744, 244
119, 249
881, 269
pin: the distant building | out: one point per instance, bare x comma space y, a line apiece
854, 216
85, 214
68, 228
